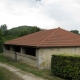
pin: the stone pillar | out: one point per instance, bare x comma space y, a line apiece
37, 57
21, 50
11, 48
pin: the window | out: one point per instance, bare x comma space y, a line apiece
17, 48
7, 47
31, 51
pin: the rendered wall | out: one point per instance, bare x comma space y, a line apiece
42, 60
45, 55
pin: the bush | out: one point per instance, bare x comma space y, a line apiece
66, 67
1, 41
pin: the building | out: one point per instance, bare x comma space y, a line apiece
36, 49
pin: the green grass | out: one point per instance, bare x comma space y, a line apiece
7, 75
41, 73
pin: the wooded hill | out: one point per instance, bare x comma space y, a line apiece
19, 31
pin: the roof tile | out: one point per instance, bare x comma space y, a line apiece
48, 38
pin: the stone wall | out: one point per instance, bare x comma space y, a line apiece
31, 60
45, 55
9, 54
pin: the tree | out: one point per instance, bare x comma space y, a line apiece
1, 41
3, 27
75, 31
33, 29
22, 33
19, 31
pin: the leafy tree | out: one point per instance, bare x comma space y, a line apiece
33, 29
3, 27
1, 41
22, 33
75, 31
19, 31
5, 33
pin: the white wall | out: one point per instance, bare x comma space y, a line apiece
45, 55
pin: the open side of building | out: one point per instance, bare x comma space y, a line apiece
37, 49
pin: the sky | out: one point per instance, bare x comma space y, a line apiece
46, 14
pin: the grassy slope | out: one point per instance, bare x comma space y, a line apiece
41, 73
7, 75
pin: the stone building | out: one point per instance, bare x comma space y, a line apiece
36, 49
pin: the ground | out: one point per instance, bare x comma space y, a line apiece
21, 74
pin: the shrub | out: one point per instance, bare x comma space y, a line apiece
66, 66
1, 41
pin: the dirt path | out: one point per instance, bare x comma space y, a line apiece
22, 74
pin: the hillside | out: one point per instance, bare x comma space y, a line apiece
19, 31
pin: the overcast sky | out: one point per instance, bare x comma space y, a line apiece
45, 14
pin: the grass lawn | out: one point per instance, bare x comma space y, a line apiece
41, 73
7, 75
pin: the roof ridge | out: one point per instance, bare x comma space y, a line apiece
69, 32
47, 37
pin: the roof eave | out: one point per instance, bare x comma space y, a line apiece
55, 46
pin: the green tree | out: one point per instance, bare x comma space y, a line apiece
3, 27
22, 33
75, 31
33, 29
1, 41
19, 31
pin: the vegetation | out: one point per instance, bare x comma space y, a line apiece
1, 41
7, 75
3, 27
41, 73
75, 31
66, 66
19, 31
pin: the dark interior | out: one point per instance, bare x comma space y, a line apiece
31, 51
17, 48
28, 50
7, 47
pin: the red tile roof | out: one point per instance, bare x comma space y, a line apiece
48, 38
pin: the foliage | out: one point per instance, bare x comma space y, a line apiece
75, 31
1, 41
66, 66
3, 27
22, 33
19, 31
33, 29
